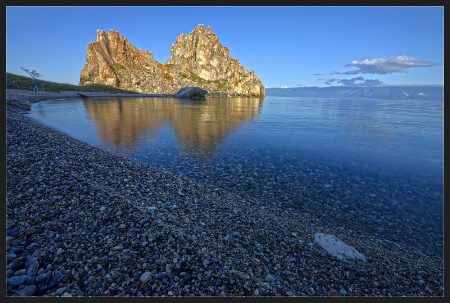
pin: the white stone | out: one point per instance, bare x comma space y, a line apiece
337, 248
60, 291
145, 276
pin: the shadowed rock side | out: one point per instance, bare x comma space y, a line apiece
191, 92
197, 59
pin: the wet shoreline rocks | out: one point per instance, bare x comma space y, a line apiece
18, 99
83, 222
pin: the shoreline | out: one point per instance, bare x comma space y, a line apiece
22, 99
84, 222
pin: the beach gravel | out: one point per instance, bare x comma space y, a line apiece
84, 222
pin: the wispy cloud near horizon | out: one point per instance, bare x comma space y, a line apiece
358, 81
384, 65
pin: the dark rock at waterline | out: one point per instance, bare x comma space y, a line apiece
191, 92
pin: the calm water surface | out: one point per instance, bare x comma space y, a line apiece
379, 160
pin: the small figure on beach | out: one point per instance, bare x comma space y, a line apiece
34, 85
34, 74
43, 86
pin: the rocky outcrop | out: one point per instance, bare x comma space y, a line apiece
197, 59
113, 61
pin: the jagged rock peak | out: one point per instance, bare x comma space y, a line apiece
196, 59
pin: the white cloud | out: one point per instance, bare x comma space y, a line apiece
385, 65
358, 81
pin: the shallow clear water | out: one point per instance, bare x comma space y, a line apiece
375, 158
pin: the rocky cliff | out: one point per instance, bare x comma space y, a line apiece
197, 59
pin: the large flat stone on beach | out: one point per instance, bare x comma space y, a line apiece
337, 248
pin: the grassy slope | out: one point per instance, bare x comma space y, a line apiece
24, 82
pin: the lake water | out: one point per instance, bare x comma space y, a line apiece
379, 163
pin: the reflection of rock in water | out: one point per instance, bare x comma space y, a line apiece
198, 125
202, 124
120, 121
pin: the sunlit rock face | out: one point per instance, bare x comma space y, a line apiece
197, 59
113, 61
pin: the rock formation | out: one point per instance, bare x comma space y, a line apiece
197, 59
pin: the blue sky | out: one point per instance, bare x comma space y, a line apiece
286, 46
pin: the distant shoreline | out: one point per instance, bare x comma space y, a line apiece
407, 93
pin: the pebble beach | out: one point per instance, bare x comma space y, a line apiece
81, 221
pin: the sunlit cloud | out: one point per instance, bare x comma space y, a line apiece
385, 65
358, 81
283, 86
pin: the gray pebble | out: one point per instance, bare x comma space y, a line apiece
17, 281
32, 267
55, 280
41, 278
145, 277
20, 272
60, 291
27, 291
9, 273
